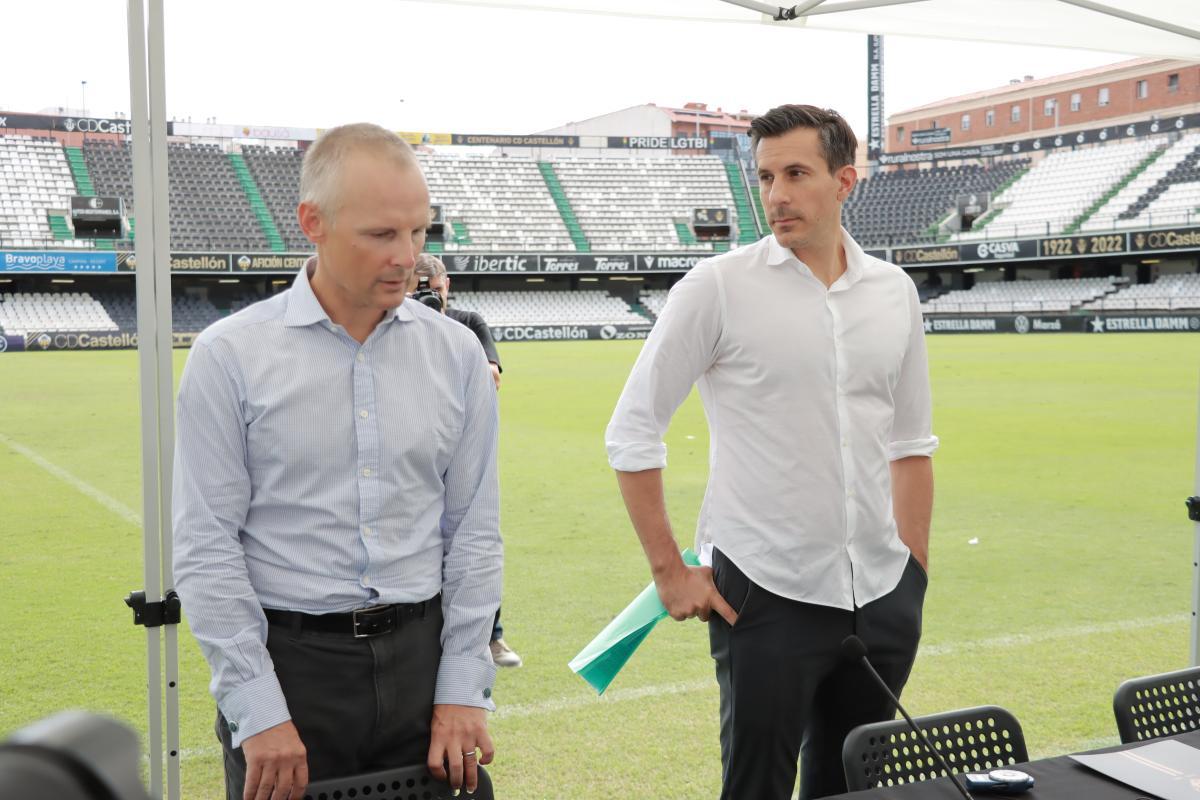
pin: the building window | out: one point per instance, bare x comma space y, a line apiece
1076, 101
933, 124
965, 122
1173, 82
1143, 90
900, 134
1015, 114
989, 118
1049, 107
1102, 96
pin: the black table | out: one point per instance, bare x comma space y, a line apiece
1057, 778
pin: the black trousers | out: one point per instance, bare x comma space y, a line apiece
786, 692
359, 705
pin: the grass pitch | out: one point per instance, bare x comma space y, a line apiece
1066, 457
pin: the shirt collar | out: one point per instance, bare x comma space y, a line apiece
777, 254
303, 308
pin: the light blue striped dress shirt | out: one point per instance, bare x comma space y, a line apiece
316, 474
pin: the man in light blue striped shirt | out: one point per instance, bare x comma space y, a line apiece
336, 500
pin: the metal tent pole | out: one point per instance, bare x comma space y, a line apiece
1193, 504
156, 606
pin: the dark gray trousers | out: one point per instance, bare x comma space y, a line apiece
360, 705
786, 692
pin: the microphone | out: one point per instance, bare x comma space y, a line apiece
853, 649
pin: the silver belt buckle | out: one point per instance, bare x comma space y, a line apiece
363, 612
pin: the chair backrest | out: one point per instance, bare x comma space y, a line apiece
401, 783
1158, 705
970, 739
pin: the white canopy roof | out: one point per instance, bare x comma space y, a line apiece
1143, 27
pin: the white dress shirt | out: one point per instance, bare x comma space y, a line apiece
809, 392
317, 474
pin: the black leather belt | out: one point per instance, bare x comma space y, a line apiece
361, 623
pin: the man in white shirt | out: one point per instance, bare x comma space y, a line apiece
810, 360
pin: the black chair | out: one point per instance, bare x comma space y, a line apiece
401, 783
1158, 705
970, 739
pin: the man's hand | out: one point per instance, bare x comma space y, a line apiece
495, 368
276, 764
457, 732
690, 592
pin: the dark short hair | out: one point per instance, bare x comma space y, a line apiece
838, 142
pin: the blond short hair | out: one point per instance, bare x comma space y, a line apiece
320, 175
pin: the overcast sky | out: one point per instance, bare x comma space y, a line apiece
421, 66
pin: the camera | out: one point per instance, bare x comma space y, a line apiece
426, 295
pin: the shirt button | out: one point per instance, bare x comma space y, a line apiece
366, 581
233, 727
361, 357
487, 692
845, 443
363, 414
366, 530
366, 472
850, 493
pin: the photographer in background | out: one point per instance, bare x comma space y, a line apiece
431, 286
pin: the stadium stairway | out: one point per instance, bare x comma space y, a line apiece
748, 231
685, 233
991, 213
1103, 199
1188, 164
461, 234
59, 227
564, 207
79, 170
257, 205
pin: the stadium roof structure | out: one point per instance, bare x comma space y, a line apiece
1169, 28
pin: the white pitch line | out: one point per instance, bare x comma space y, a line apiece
574, 702
1019, 639
933, 651
111, 503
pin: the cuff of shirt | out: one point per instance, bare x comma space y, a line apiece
637, 456
253, 707
912, 447
465, 681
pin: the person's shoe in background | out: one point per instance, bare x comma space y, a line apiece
503, 655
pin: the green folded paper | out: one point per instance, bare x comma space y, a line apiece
602, 659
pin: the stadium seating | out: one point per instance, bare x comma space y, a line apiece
635, 203
1129, 208
584, 307
34, 180
188, 314
1058, 192
1015, 297
502, 203
276, 170
906, 206
1168, 293
26, 312
208, 208
653, 300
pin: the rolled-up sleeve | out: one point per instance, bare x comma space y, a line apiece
210, 499
472, 563
912, 426
682, 345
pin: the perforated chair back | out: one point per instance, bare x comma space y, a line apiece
401, 783
970, 739
1158, 705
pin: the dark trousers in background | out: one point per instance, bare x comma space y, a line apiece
786, 692
497, 628
359, 705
